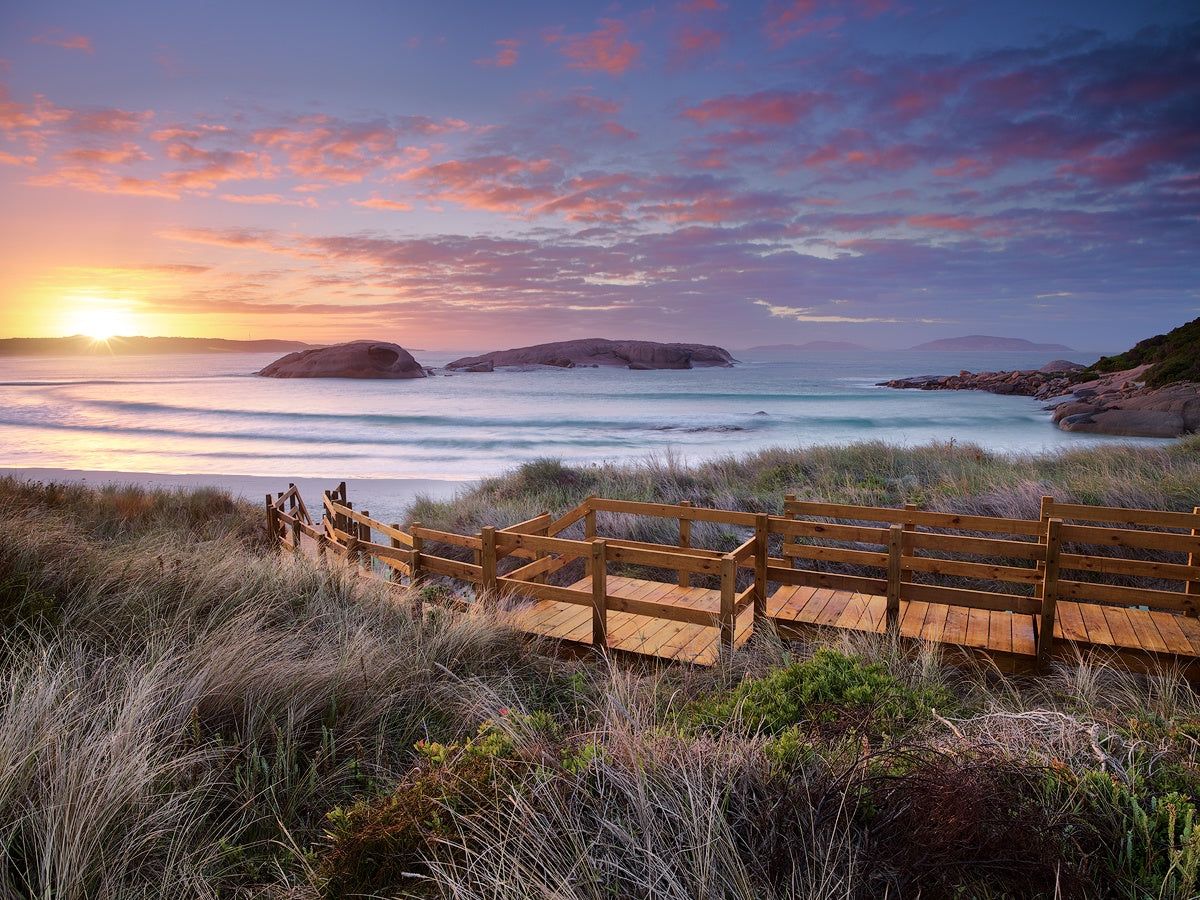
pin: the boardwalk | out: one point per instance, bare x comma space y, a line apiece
1020, 593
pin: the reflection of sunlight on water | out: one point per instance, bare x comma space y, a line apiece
208, 416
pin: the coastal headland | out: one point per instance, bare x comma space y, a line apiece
1151, 390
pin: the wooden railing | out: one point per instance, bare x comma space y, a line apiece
1025, 566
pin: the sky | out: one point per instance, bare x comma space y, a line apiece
484, 175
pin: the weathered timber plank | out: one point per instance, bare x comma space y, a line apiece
1120, 626
833, 607
856, 605
955, 631
1094, 621
1138, 540
1122, 595
788, 600
963, 597
1024, 635
1146, 632
966, 569
977, 628
995, 547
934, 626
1149, 517
1068, 622
912, 618
1173, 636
1190, 626
923, 518
1000, 632
1109, 565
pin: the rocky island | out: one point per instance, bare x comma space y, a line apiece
356, 359
1151, 390
599, 352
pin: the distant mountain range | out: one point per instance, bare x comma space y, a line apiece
990, 342
802, 348
81, 345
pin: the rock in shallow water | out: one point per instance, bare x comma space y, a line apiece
356, 359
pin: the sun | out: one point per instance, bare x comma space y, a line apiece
99, 322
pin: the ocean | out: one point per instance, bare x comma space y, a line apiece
210, 414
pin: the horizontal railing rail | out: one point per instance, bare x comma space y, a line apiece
1027, 566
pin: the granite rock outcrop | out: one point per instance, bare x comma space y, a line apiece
1118, 403
602, 352
356, 359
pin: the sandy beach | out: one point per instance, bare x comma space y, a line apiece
386, 499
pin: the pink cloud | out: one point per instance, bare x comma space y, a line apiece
108, 121
126, 154
269, 200
692, 43
945, 222
506, 55
797, 19
496, 183
768, 108
381, 204
694, 6
56, 37
216, 166
603, 50
964, 166
9, 159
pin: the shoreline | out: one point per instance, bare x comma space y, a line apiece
387, 498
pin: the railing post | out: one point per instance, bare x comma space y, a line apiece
894, 571
599, 569
1045, 644
364, 534
685, 542
296, 547
789, 498
762, 541
1039, 591
393, 572
1191, 605
488, 557
418, 543
541, 554
728, 595
272, 525
589, 520
909, 528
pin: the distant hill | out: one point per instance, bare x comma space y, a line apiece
990, 342
81, 345
804, 348
1174, 356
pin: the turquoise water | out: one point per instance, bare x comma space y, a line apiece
209, 414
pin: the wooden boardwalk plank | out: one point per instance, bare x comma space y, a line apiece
955, 631
1146, 630
787, 601
935, 622
1000, 632
1173, 636
1191, 630
1120, 626
834, 608
912, 617
977, 628
1024, 634
1068, 622
1097, 627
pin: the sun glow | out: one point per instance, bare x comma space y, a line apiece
99, 320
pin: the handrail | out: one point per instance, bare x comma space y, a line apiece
911, 550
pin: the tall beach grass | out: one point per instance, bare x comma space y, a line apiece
185, 713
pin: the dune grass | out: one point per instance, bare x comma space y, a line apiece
184, 713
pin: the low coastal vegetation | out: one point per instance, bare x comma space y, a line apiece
185, 713
1174, 356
